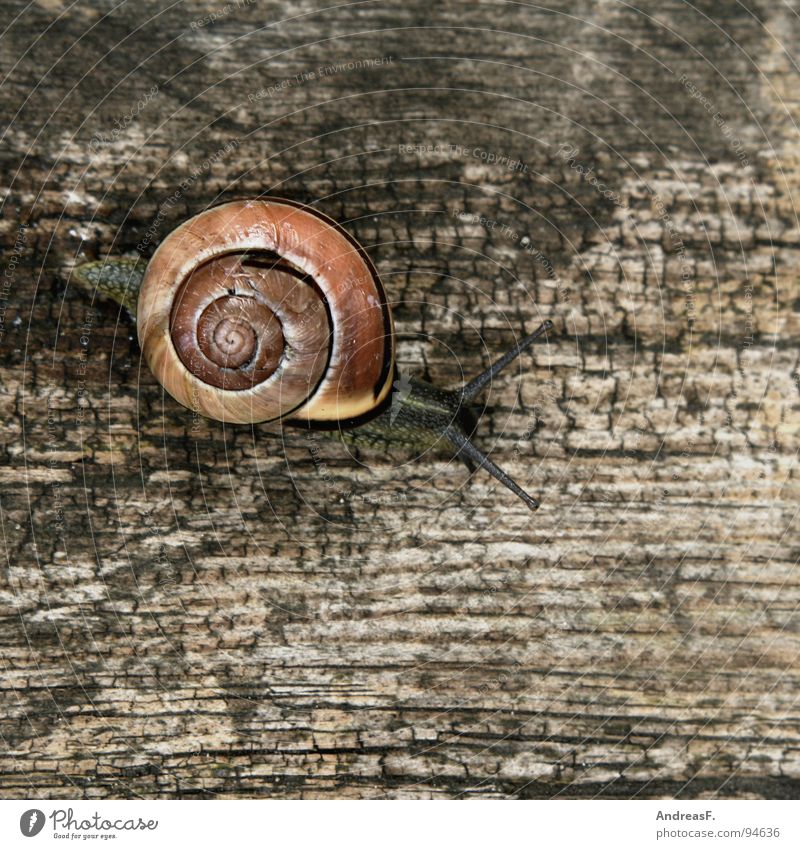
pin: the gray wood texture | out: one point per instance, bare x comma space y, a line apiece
195, 610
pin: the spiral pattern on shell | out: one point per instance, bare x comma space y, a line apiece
261, 310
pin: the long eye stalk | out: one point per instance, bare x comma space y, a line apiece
461, 440
474, 386
466, 448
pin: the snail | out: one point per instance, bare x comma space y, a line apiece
265, 310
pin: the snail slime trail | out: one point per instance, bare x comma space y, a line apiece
251, 311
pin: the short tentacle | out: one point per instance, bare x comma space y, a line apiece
117, 278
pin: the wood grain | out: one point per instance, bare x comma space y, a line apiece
194, 610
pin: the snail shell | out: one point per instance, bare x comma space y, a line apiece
260, 310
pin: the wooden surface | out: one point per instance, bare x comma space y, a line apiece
192, 610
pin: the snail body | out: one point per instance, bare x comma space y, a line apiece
267, 311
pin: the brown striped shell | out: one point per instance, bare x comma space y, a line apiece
259, 310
